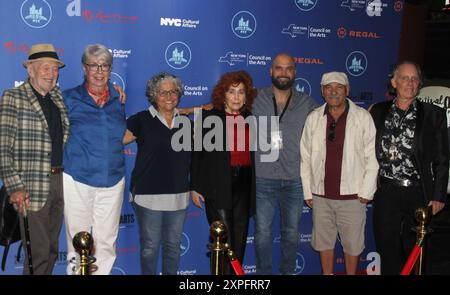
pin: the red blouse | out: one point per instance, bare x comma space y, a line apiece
238, 140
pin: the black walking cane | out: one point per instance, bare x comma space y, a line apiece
27, 238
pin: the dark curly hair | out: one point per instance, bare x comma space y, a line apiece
234, 79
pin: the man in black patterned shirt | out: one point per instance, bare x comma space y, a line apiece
412, 151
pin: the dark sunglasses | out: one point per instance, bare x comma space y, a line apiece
331, 132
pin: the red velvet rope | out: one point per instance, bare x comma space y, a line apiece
411, 260
237, 267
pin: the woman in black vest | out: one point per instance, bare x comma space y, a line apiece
159, 185
222, 173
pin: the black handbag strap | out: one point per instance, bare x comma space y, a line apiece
19, 249
5, 255
10, 232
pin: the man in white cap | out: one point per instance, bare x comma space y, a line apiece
33, 129
338, 171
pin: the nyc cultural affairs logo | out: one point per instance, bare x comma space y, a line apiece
299, 264
243, 24
305, 5
356, 63
302, 85
116, 79
36, 13
178, 55
185, 244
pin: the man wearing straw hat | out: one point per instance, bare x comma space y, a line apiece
33, 129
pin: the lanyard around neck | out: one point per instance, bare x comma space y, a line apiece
285, 107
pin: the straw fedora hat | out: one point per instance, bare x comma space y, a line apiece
42, 51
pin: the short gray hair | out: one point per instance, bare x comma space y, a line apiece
154, 84
97, 51
408, 62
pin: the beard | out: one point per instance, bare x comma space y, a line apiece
282, 85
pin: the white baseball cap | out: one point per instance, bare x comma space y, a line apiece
337, 77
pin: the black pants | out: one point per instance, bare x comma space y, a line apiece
437, 256
237, 218
393, 220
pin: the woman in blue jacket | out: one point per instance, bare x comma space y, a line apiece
94, 164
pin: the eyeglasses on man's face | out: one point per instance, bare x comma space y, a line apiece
96, 67
165, 93
332, 131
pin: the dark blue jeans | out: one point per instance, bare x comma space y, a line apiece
156, 229
289, 195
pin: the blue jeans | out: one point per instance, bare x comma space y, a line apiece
289, 195
158, 228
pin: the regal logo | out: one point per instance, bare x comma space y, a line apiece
243, 24
398, 6
308, 60
341, 32
362, 34
36, 13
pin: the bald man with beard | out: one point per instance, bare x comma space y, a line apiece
278, 180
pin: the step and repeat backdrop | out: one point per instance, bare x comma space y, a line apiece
199, 40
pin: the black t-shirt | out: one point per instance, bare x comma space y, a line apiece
53, 118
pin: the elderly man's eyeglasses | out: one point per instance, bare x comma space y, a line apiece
96, 67
332, 132
168, 92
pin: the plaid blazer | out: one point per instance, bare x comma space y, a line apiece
25, 143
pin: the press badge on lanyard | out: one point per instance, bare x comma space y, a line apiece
276, 137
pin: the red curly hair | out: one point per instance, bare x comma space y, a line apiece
234, 79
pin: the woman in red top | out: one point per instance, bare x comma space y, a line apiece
222, 173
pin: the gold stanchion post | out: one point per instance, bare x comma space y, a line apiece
83, 243
423, 216
218, 234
